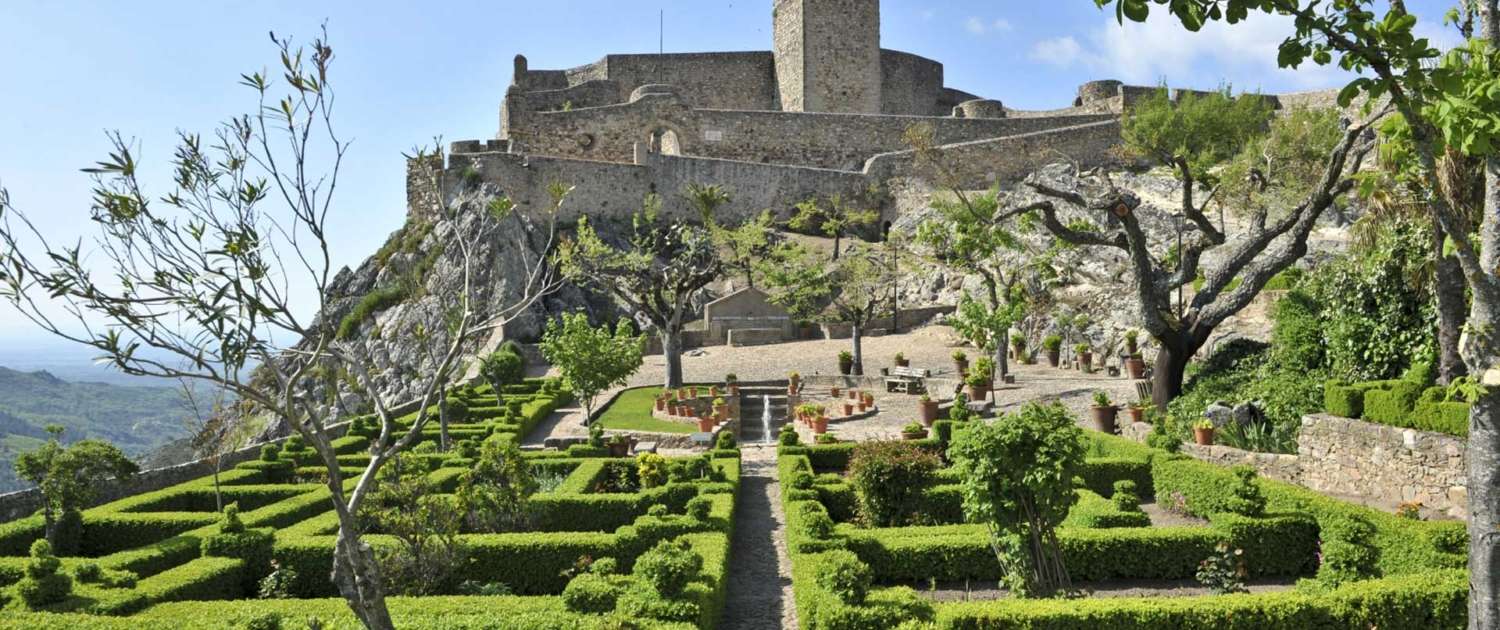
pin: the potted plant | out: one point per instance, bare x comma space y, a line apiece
794, 381
927, 410
1052, 344
979, 385
834, 391
867, 398
721, 409
914, 431
901, 360
1138, 411
1018, 346
681, 393
661, 403
1135, 366
1104, 413
693, 392
1131, 349
852, 393
820, 424
1085, 357
961, 361
713, 391
848, 408
733, 382
1203, 432
846, 362
619, 446
706, 423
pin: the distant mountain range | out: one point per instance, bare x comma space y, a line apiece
137, 419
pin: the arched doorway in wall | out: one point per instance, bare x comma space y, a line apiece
665, 141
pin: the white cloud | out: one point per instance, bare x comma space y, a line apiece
1059, 51
1160, 48
979, 26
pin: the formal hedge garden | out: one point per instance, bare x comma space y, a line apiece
602, 539
1345, 566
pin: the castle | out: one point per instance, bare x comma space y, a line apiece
824, 112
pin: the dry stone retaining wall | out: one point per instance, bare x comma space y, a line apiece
1382, 465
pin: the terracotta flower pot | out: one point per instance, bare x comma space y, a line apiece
1137, 414
705, 425
863, 406
1086, 360
1136, 368
1203, 437
713, 391
848, 409
661, 404
1053, 357
618, 449
978, 392
927, 411
681, 394
903, 362
1104, 418
692, 392
820, 425
734, 390
835, 391
721, 412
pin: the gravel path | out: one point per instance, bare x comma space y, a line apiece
760, 572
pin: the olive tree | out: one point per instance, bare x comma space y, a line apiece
663, 265
200, 281
68, 478
1442, 102
1297, 168
848, 290
834, 216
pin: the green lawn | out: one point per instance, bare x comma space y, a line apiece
632, 412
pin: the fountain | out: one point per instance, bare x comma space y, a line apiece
765, 420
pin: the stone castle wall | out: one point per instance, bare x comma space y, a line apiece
911, 85
982, 163
841, 141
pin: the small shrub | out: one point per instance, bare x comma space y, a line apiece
1346, 552
270, 453
295, 443
669, 567
1247, 499
657, 511
265, 621
1410, 510
1223, 571
846, 576
590, 594
651, 469
1163, 439
826, 438
88, 572
698, 508
277, 584
817, 523
959, 413
42, 584
725, 441
1125, 497
787, 436
605, 566
888, 479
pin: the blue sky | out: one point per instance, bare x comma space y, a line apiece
406, 72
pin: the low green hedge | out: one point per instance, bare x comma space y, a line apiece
1435, 600
106, 532
1406, 546
1096, 512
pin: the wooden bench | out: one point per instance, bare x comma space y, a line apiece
907, 380
1143, 391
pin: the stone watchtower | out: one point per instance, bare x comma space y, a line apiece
828, 55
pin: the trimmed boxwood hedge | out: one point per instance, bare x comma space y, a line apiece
1419, 589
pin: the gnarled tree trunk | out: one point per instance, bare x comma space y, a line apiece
1448, 288
857, 333
671, 350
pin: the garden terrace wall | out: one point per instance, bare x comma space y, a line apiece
1380, 464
